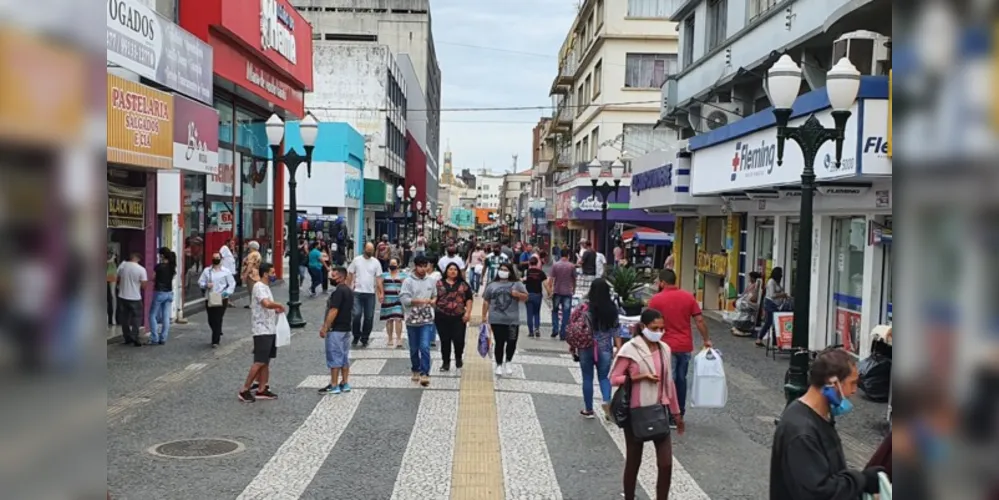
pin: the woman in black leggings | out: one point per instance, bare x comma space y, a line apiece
501, 308
454, 305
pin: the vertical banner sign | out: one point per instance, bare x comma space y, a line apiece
140, 125
890, 100
784, 322
126, 207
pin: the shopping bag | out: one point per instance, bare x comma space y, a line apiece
283, 331
709, 388
485, 343
885, 493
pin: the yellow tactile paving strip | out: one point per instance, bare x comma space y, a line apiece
477, 473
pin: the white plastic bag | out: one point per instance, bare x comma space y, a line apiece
283, 331
709, 389
885, 489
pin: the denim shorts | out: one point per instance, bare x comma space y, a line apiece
338, 350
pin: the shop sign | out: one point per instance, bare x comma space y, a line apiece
144, 42
276, 27
852, 191
463, 218
354, 187
139, 124
195, 136
750, 162
126, 207
875, 151
590, 204
784, 322
657, 178
223, 181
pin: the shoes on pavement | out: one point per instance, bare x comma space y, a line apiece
588, 415
215, 346
457, 373
355, 342
446, 367
507, 369
246, 397
329, 389
265, 394
672, 423
345, 387
608, 416
499, 370
416, 377
425, 380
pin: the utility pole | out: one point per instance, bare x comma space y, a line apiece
515, 157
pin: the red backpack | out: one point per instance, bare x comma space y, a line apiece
579, 333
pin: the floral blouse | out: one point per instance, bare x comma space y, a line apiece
451, 299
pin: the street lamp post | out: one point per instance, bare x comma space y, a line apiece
440, 223
605, 190
309, 129
407, 204
784, 84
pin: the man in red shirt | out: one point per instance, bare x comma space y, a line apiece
678, 308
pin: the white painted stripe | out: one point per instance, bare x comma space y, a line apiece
383, 382
425, 473
527, 466
367, 367
372, 353
290, 471
683, 487
535, 387
546, 361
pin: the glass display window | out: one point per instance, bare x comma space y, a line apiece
194, 214
848, 244
764, 256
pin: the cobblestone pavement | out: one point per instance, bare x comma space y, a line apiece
474, 437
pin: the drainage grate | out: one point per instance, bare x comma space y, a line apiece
192, 449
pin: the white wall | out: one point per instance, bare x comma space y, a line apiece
416, 100
488, 190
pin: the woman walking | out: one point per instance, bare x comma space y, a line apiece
501, 307
644, 363
454, 306
326, 260
387, 288
218, 284
774, 300
599, 312
159, 312
534, 281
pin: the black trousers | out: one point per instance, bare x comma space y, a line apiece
131, 319
452, 331
111, 317
215, 317
506, 341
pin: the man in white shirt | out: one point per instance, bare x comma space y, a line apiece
362, 275
132, 278
601, 264
228, 258
452, 257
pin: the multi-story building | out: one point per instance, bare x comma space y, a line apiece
488, 189
402, 25
514, 186
738, 206
417, 123
605, 96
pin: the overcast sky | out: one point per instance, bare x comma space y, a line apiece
496, 54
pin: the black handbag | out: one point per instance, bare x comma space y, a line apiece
651, 423
621, 404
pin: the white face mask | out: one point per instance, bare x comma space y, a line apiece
652, 336
503, 275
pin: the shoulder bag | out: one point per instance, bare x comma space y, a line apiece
651, 423
213, 298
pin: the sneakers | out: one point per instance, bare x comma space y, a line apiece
416, 377
588, 415
457, 373
672, 423
499, 370
446, 367
332, 389
345, 387
424, 380
246, 397
507, 369
265, 394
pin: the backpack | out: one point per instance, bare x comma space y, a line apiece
579, 333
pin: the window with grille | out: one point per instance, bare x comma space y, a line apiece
649, 71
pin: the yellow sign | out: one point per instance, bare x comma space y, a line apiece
890, 93
126, 207
140, 125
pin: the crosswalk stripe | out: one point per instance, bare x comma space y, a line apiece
288, 473
382, 382
527, 465
425, 472
367, 366
683, 486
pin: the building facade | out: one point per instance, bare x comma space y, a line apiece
404, 26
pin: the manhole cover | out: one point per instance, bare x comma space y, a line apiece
191, 449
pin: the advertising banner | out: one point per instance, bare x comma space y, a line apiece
126, 207
195, 136
144, 42
140, 125
463, 218
784, 323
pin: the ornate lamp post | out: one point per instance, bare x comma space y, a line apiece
605, 190
407, 204
784, 84
309, 129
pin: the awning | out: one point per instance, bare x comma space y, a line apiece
646, 236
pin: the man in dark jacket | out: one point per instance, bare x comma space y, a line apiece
807, 460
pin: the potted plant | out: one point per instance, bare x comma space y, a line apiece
625, 283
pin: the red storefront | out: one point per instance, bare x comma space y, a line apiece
416, 173
262, 65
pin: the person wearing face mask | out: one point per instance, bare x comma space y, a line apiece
217, 280
362, 277
644, 363
452, 257
493, 263
476, 266
807, 459
501, 309
388, 287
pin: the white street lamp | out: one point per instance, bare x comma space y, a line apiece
596, 168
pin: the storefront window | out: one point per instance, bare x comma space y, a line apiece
194, 234
764, 247
251, 133
849, 241
225, 121
256, 221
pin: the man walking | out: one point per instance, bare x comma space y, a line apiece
264, 313
562, 285
336, 330
418, 296
132, 279
362, 275
679, 308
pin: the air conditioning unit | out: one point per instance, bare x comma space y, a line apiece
867, 50
719, 114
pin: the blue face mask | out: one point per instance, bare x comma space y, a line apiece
838, 405
272, 279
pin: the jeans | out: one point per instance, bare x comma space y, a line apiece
130, 320
681, 367
419, 347
534, 313
363, 315
599, 358
475, 279
316, 275
565, 302
159, 316
769, 308
303, 271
